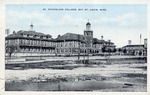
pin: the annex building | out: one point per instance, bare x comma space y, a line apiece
132, 49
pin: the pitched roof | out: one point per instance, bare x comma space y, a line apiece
31, 33
95, 41
20, 34
71, 37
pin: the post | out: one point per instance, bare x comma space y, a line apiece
64, 47
40, 49
84, 56
88, 51
78, 48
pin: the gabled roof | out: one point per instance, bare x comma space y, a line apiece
71, 37
95, 41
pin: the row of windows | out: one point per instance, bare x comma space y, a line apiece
70, 44
36, 50
107, 44
76, 51
36, 36
30, 42
133, 48
58, 44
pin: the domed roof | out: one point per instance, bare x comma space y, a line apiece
88, 23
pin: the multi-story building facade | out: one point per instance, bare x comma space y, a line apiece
32, 43
70, 44
77, 44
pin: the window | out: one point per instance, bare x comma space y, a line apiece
65, 44
70, 43
27, 35
41, 37
21, 34
61, 45
34, 36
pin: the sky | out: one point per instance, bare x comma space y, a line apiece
117, 22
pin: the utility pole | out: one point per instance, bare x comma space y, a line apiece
40, 47
78, 47
64, 48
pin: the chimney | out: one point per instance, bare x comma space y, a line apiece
145, 42
129, 42
109, 41
7, 31
14, 32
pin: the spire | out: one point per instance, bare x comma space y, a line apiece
88, 25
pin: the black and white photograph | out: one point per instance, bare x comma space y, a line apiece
76, 47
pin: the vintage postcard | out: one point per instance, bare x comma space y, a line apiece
75, 47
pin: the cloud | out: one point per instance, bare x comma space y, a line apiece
127, 19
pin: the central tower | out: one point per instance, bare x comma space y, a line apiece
88, 31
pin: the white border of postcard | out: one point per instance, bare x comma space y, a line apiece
2, 44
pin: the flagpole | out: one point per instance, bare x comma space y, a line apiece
140, 38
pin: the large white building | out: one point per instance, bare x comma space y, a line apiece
32, 43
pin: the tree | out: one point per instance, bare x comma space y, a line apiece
124, 51
114, 50
119, 49
103, 49
109, 50
10, 50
